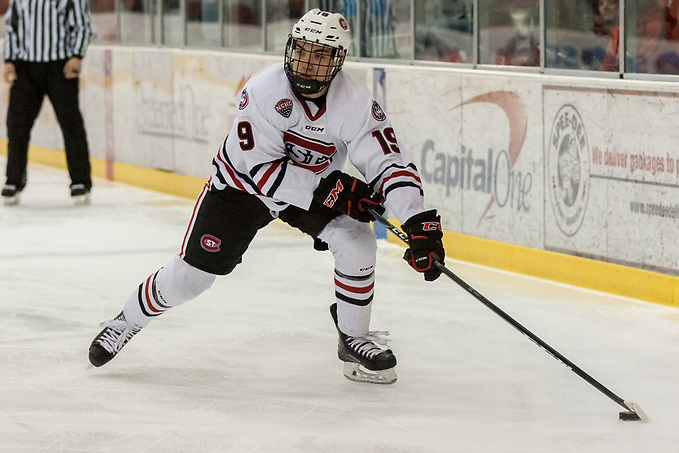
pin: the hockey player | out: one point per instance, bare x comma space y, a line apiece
297, 122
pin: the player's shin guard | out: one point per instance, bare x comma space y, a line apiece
354, 295
172, 285
354, 249
364, 353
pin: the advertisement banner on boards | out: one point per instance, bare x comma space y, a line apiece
477, 144
611, 175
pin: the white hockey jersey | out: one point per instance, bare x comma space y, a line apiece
280, 145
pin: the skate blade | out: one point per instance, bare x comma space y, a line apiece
355, 372
81, 200
11, 201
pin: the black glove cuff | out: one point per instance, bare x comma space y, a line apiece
418, 221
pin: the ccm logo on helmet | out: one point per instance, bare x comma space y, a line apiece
209, 243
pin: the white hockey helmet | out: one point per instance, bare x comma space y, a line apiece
323, 29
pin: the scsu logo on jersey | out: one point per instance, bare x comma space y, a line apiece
210, 243
243, 99
312, 154
378, 113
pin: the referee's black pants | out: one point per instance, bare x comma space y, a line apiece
34, 81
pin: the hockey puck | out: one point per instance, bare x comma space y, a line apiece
629, 416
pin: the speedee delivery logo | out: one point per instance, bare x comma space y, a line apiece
568, 169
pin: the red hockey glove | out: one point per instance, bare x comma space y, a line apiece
424, 237
348, 195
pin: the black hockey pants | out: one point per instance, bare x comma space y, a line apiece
225, 222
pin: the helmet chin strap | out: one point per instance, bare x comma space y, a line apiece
308, 87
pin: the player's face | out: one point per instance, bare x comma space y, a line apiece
311, 61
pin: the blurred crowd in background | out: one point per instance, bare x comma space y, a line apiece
587, 35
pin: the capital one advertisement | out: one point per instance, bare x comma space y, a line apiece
477, 144
587, 170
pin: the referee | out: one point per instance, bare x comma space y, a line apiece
45, 42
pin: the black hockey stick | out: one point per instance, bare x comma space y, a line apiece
632, 412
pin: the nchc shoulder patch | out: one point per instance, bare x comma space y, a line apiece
284, 107
378, 113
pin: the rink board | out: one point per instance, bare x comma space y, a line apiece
565, 178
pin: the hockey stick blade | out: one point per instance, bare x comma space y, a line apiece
632, 413
635, 413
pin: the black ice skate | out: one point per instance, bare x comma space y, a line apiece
10, 195
80, 194
111, 340
365, 360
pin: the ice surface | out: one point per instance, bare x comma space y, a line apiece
251, 365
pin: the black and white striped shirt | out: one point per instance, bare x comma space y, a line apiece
46, 30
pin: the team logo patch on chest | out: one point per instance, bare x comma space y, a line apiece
314, 155
284, 107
